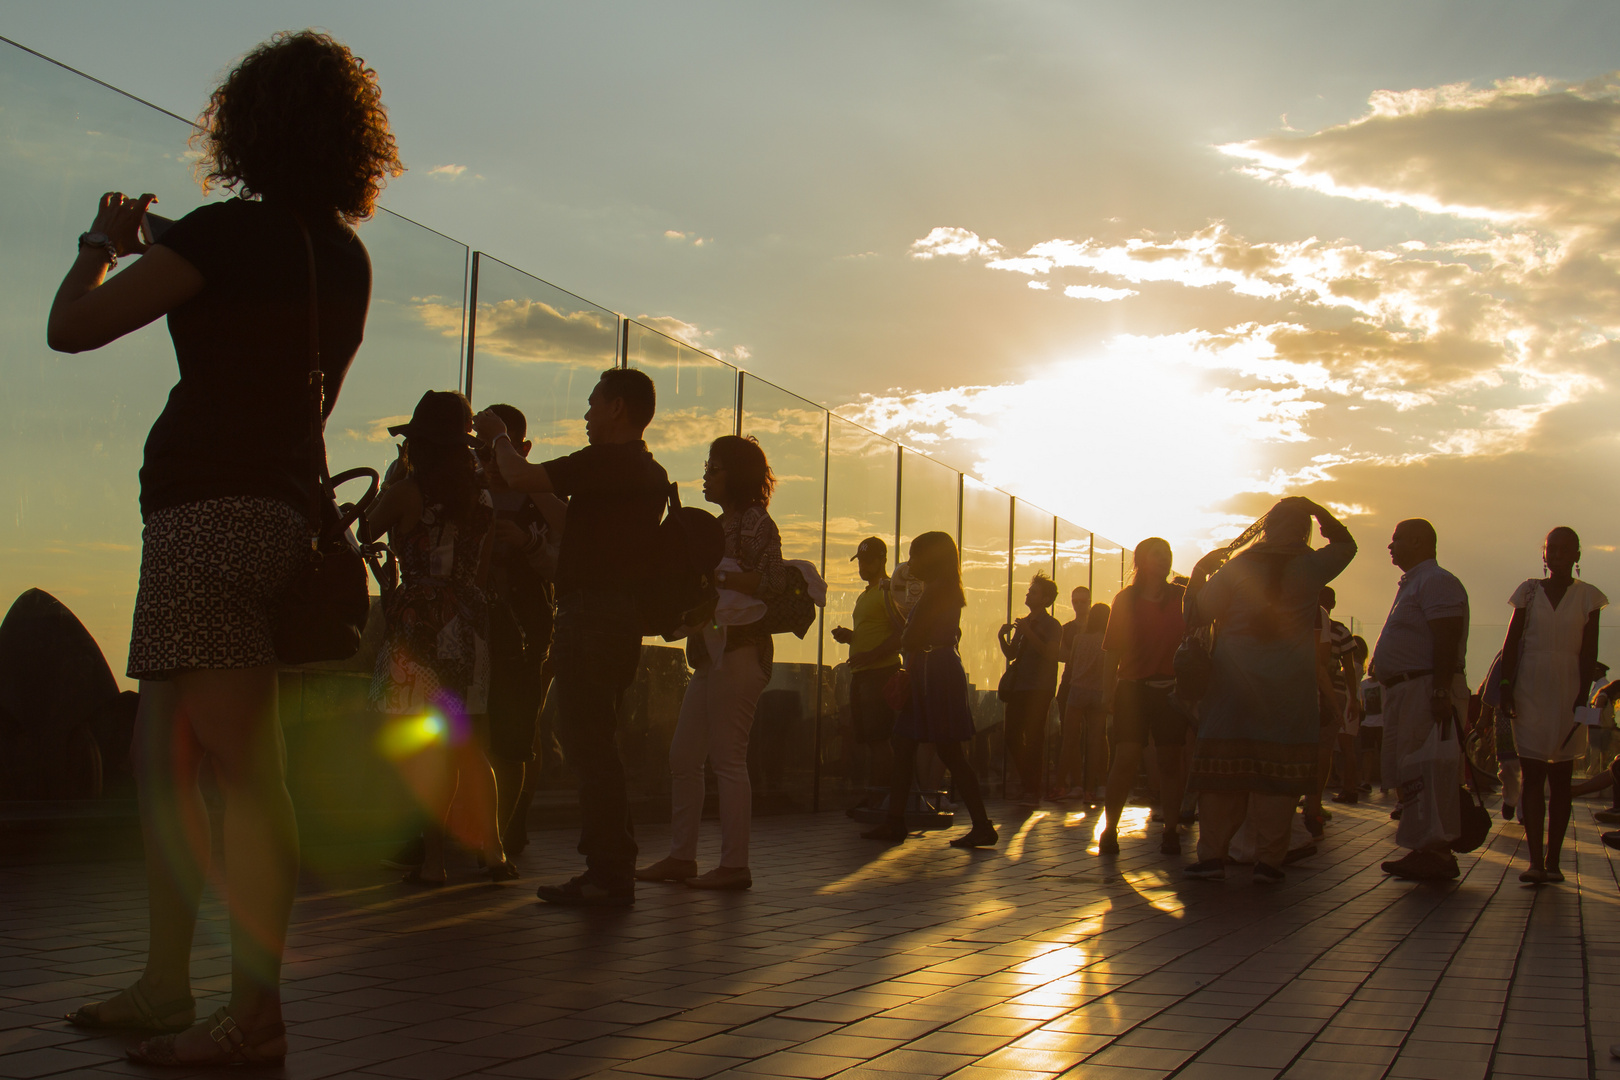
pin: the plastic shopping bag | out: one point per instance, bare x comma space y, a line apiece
1428, 782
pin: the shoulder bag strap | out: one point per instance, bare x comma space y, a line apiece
317, 382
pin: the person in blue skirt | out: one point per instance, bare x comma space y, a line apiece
938, 711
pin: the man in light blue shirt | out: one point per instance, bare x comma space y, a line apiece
1419, 661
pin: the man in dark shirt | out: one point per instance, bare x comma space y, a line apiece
616, 494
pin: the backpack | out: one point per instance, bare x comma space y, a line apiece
687, 545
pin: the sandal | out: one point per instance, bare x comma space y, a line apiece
165, 1019
232, 1046
505, 870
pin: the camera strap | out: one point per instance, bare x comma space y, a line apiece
316, 388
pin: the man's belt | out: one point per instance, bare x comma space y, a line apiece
1396, 680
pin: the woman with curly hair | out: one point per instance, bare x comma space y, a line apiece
298, 132
731, 662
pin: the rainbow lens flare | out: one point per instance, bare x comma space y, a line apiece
406, 736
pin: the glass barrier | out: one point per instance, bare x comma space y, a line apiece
1107, 570
539, 348
782, 749
1032, 549
986, 558
930, 499
1072, 556
413, 340
862, 479
80, 423
697, 403
793, 433
72, 525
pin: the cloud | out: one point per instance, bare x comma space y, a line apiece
652, 354
1311, 359
1094, 292
694, 239
376, 431
533, 331
448, 172
947, 240
1524, 149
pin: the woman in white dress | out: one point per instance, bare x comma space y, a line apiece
1548, 664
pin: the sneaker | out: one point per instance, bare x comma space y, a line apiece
1304, 851
670, 869
1423, 866
408, 856
1349, 798
1209, 870
1366, 788
583, 891
1608, 817
1268, 875
723, 879
979, 836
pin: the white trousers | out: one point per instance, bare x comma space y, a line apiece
716, 716
1408, 719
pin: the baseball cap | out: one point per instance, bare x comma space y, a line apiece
871, 546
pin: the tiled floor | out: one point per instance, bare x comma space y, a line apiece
849, 958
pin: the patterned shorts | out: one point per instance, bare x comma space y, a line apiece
209, 571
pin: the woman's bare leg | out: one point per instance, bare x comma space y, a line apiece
175, 830
1533, 807
233, 716
1127, 759
1559, 774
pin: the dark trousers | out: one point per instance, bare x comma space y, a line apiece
596, 651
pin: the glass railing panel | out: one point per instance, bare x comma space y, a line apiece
697, 403
793, 434
1108, 570
1073, 559
1032, 550
413, 340
930, 498
986, 554
861, 487
73, 427
539, 348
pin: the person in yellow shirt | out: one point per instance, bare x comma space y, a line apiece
874, 654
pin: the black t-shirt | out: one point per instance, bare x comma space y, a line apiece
616, 494
237, 422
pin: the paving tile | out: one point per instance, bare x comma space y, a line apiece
911, 965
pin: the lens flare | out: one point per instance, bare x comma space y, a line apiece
406, 736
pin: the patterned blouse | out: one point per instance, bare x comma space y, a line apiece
753, 540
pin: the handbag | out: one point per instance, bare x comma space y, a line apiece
791, 611
1476, 821
1009, 678
321, 613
